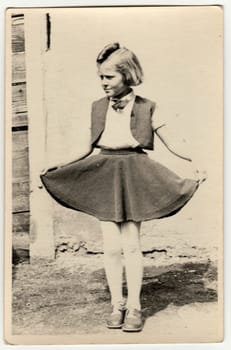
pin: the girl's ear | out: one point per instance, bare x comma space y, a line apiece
126, 81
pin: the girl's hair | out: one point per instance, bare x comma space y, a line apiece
125, 62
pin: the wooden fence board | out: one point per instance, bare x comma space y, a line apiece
21, 222
20, 156
18, 67
19, 119
21, 240
18, 42
20, 194
19, 98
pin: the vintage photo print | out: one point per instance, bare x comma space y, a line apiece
114, 175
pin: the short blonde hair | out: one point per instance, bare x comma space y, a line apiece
125, 62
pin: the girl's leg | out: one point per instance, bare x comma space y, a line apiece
130, 233
113, 260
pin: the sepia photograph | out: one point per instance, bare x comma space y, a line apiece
114, 175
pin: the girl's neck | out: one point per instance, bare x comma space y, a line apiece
122, 94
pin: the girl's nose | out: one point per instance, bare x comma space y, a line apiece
104, 82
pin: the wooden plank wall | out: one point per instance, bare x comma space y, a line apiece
20, 168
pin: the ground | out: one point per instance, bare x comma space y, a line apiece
70, 296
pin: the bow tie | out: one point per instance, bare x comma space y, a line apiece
119, 104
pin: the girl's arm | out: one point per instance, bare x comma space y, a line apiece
78, 158
165, 134
163, 140
81, 155
85, 151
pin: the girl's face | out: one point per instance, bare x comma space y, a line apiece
111, 80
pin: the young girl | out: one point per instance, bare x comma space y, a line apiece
121, 186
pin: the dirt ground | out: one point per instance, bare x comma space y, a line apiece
70, 296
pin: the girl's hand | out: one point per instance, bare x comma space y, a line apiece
46, 170
200, 175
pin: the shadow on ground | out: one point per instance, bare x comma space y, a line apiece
179, 285
51, 300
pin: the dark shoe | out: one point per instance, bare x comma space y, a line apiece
116, 320
133, 321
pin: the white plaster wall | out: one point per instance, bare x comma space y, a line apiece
180, 50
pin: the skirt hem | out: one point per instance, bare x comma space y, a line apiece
148, 216
120, 186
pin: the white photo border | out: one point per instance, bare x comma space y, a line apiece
4, 4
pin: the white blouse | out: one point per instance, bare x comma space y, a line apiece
117, 133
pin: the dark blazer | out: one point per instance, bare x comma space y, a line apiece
141, 121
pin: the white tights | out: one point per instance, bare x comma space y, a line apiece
117, 238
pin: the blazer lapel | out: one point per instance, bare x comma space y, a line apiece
100, 117
136, 107
101, 109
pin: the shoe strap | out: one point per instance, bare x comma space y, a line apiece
120, 306
133, 312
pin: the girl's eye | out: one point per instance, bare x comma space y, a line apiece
108, 77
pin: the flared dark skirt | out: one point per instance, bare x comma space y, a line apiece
119, 186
